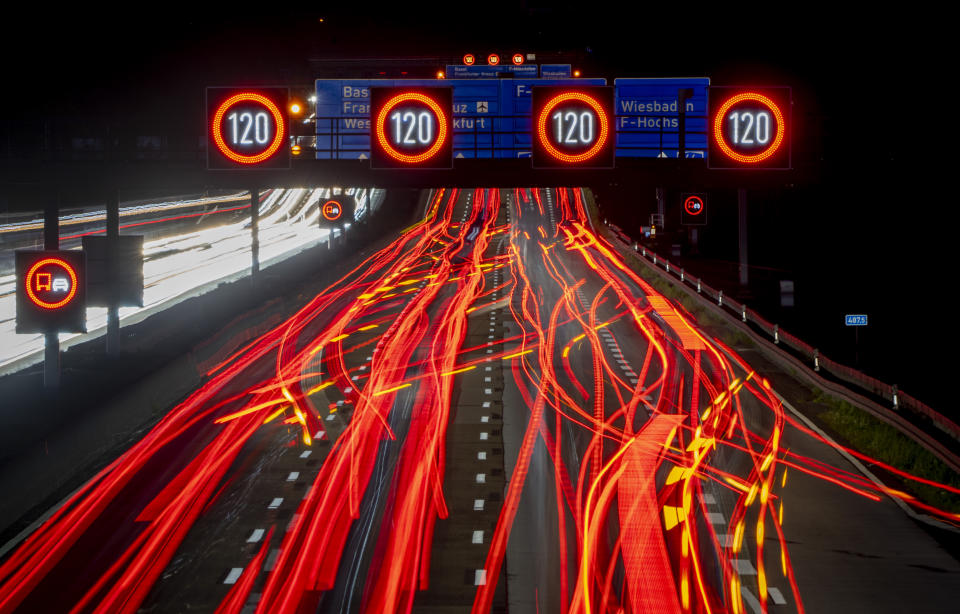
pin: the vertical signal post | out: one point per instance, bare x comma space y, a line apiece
247, 128
573, 127
750, 127
411, 127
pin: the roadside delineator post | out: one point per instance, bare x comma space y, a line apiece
776, 334
816, 360
896, 398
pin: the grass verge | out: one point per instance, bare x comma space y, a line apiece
885, 443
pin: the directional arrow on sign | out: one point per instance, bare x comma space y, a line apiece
363, 156
459, 155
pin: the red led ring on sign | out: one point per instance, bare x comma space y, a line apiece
441, 129
542, 127
218, 132
73, 284
339, 211
718, 125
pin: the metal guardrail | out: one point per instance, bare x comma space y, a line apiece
813, 356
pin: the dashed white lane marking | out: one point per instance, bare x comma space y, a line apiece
478, 505
477, 537
487, 391
489, 336
271, 560
480, 577
355, 377
488, 379
369, 358
331, 417
486, 404
275, 503
483, 436
709, 499
489, 351
347, 390
481, 478
233, 575
293, 476
716, 518
488, 368
292, 522
744, 567
751, 600
340, 402
305, 453
481, 456
256, 536
725, 540
484, 418
776, 596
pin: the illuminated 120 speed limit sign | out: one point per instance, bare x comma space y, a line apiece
247, 128
750, 127
573, 127
411, 127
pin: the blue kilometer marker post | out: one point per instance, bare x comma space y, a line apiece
855, 319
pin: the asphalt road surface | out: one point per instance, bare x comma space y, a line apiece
493, 413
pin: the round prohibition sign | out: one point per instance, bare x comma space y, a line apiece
693, 205
602, 118
729, 151
438, 113
331, 210
36, 300
217, 128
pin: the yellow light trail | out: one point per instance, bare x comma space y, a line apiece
389, 390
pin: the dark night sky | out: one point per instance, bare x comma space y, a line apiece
869, 86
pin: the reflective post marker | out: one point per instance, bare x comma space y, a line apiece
254, 231
51, 241
113, 233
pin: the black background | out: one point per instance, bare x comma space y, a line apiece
859, 224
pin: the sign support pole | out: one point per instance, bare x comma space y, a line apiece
113, 233
254, 231
742, 223
51, 353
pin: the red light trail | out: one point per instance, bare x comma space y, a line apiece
635, 417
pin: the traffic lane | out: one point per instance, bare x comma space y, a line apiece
364, 537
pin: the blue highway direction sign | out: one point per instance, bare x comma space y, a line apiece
491, 117
648, 117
